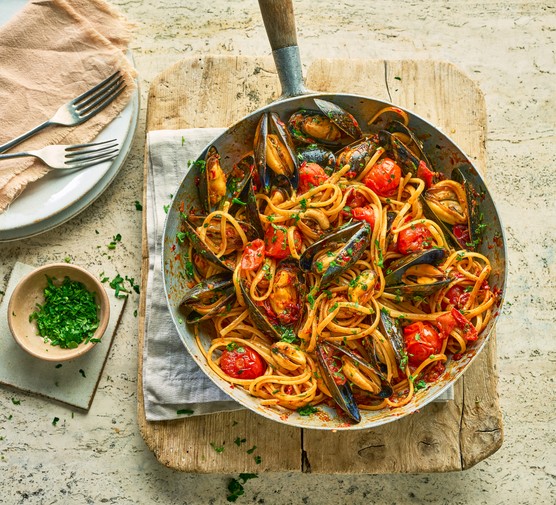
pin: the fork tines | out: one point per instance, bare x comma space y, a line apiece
92, 153
100, 95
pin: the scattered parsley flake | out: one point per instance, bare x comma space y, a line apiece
307, 410
138, 205
184, 412
217, 448
55, 421
15, 401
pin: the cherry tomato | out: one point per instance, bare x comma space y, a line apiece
447, 322
356, 199
384, 178
310, 175
457, 296
425, 173
242, 363
253, 255
364, 214
276, 241
415, 238
461, 232
421, 340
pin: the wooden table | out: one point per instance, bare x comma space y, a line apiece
217, 91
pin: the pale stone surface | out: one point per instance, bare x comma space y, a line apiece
508, 47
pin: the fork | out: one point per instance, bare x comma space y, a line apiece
72, 157
79, 109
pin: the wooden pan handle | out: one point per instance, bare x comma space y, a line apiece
279, 22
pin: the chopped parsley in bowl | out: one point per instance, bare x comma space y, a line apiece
58, 312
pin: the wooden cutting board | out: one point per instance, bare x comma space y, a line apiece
217, 91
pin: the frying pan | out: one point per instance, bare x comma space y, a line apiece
237, 140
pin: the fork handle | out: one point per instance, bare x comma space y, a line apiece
18, 140
14, 155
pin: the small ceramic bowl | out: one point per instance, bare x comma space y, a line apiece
30, 291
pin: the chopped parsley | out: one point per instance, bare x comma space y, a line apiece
15, 401
55, 421
252, 450
185, 412
307, 410
235, 486
69, 314
217, 448
238, 441
115, 239
138, 205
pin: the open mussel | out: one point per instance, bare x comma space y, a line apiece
391, 329
216, 186
337, 251
330, 125
449, 202
213, 234
357, 155
210, 297
274, 153
364, 374
416, 274
330, 361
281, 313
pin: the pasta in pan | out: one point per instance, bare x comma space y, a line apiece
334, 267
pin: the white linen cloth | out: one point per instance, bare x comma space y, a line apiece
172, 381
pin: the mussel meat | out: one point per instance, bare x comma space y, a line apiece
274, 153
215, 185
282, 312
330, 125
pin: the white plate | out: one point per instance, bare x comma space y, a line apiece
59, 196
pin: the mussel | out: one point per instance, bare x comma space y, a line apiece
416, 274
336, 251
330, 361
282, 312
274, 153
210, 297
357, 155
330, 125
215, 185
392, 330
314, 153
227, 260
450, 203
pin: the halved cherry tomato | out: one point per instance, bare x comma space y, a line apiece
421, 340
253, 255
242, 363
415, 238
384, 178
311, 175
276, 241
364, 214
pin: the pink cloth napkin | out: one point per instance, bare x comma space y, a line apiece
51, 52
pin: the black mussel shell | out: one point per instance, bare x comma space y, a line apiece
316, 154
220, 285
392, 330
357, 155
345, 121
355, 238
341, 393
